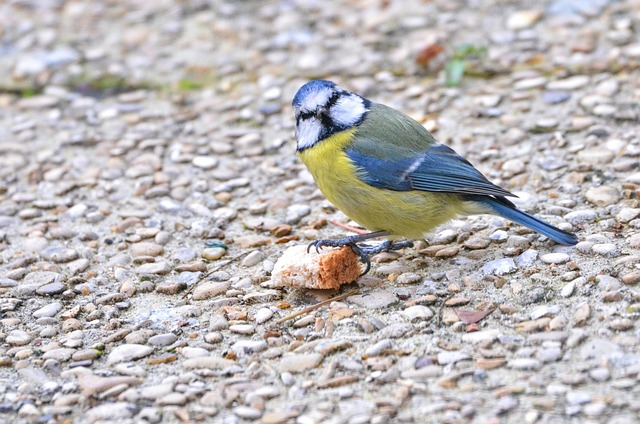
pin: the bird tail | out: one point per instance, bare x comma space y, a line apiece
504, 208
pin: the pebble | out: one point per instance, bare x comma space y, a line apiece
161, 340
242, 328
524, 364
603, 195
213, 253
417, 313
568, 289
523, 19
207, 362
500, 266
205, 162
627, 214
585, 216
210, 289
49, 310
555, 258
146, 249
571, 83
172, 399
296, 363
18, 338
263, 315
247, 412
527, 258
375, 300
605, 249
159, 268
253, 258
128, 352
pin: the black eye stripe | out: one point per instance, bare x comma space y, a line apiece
333, 99
330, 103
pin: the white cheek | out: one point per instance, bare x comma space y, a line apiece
307, 133
348, 110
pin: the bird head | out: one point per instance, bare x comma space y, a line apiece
322, 109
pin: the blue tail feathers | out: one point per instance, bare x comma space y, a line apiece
506, 209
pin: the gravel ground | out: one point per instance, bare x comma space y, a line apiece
148, 184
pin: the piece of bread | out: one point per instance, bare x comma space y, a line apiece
328, 270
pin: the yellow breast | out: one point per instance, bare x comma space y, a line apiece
404, 213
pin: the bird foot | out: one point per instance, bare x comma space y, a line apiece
363, 251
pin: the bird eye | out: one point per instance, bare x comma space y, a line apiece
306, 115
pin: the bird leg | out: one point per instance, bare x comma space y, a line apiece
363, 251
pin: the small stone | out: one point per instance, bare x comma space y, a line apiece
209, 289
527, 258
263, 315
451, 357
242, 328
523, 19
296, 212
146, 249
575, 397
632, 277
49, 310
18, 338
584, 216
597, 156
128, 352
567, 289
603, 195
51, 289
204, 162
609, 250
249, 241
607, 283
600, 374
627, 214
172, 399
477, 242
555, 258
571, 83
207, 362
621, 324
500, 266
295, 363
244, 348
524, 364
595, 409
159, 268
581, 315
445, 237
253, 258
162, 340
247, 412
408, 278
171, 287
374, 300
417, 313
213, 253
110, 411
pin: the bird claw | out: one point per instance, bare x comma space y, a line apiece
364, 252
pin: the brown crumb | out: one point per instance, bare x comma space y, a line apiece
297, 268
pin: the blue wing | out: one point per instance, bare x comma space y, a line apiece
436, 169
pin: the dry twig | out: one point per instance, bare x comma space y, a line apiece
316, 306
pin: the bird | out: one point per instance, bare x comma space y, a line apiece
388, 173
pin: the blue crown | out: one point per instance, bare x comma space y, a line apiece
311, 87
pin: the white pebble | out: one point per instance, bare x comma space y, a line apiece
555, 258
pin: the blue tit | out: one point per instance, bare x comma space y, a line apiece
389, 174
